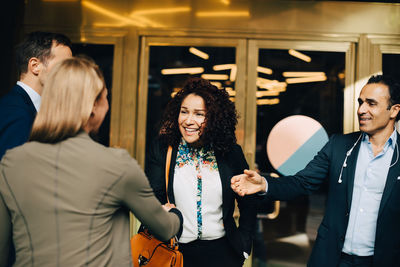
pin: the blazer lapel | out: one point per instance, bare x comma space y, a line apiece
350, 171
393, 175
26, 98
224, 172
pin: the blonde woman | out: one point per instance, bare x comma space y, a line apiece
64, 199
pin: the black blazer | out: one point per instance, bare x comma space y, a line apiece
332, 231
230, 164
17, 113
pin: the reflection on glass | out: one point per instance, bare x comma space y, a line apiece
171, 66
312, 88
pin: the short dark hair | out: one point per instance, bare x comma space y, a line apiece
392, 84
221, 116
38, 44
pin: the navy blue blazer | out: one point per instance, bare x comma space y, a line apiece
327, 164
230, 164
17, 113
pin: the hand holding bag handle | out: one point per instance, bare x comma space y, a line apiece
147, 250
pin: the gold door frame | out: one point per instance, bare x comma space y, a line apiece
146, 42
116, 39
369, 61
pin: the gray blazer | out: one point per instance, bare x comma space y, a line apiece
67, 204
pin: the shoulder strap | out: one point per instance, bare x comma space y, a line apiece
173, 242
167, 165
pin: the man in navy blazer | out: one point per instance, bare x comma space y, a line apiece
361, 225
34, 58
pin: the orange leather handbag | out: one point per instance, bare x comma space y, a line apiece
149, 251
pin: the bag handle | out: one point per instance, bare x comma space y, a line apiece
167, 166
173, 241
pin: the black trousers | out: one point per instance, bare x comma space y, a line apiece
210, 253
347, 260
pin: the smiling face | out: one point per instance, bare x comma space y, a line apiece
192, 116
375, 114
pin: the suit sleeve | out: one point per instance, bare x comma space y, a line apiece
16, 132
138, 196
247, 206
305, 181
5, 233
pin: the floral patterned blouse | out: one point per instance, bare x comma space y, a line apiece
198, 193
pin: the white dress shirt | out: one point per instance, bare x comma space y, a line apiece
33, 95
369, 183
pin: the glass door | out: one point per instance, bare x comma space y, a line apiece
167, 63
287, 78
268, 81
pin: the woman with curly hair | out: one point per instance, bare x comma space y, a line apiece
199, 124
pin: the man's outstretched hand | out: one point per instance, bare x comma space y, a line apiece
250, 182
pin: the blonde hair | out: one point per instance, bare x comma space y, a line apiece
69, 94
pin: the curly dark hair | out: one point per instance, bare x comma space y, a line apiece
220, 121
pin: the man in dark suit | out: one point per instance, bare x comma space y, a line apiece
361, 226
34, 58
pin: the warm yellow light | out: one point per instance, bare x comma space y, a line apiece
147, 21
264, 70
272, 101
230, 91
232, 76
299, 55
226, 2
224, 66
111, 14
182, 71
175, 91
60, 0
223, 14
320, 78
217, 84
161, 11
101, 24
232, 67
272, 85
199, 53
266, 93
302, 73
215, 76
261, 80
